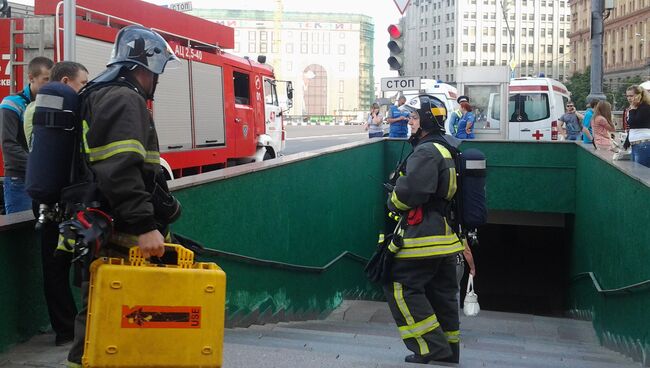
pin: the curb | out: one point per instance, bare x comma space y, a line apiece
293, 123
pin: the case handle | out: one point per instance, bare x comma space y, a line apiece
184, 257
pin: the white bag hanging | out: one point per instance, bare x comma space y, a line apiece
471, 306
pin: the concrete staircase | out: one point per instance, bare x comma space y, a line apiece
362, 334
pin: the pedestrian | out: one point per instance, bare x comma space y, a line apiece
466, 122
456, 115
587, 130
398, 120
603, 125
61, 306
69, 73
123, 151
570, 123
423, 285
639, 122
373, 124
14, 144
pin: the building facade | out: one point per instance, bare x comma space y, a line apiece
532, 37
625, 41
328, 57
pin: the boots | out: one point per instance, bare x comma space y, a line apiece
425, 359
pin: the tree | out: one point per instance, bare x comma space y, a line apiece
579, 85
615, 92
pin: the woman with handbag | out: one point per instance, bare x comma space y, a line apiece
639, 122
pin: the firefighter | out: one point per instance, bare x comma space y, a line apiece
422, 294
122, 148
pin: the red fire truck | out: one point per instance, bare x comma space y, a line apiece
213, 111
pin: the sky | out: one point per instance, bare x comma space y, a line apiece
383, 12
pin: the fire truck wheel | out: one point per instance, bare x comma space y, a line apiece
268, 154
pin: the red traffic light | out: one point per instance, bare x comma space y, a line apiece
394, 31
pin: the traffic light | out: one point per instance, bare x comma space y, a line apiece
396, 47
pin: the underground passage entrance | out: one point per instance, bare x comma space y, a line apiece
523, 269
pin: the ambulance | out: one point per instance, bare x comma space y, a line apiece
534, 107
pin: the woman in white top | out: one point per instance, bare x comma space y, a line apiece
373, 124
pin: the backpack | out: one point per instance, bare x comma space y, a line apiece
468, 209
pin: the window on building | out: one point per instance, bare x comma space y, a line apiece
264, 47
549, 49
251, 47
542, 32
485, 47
484, 63
493, 47
341, 67
341, 49
252, 36
504, 47
485, 31
531, 48
493, 31
304, 37
304, 48
466, 31
472, 47
531, 32
561, 51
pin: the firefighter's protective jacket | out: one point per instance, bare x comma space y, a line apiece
423, 190
122, 147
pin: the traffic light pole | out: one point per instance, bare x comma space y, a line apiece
597, 25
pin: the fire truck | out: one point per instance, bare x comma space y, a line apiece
213, 111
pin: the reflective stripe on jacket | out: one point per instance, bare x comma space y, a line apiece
430, 176
122, 146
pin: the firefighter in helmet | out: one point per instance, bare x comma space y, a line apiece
422, 289
122, 148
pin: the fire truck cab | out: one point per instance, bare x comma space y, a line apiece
212, 111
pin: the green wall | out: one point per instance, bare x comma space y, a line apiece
612, 240
22, 305
307, 213
311, 211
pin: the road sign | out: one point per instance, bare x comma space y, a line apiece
400, 83
181, 7
402, 5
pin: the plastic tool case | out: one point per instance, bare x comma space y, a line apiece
152, 315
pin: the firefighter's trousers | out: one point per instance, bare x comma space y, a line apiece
423, 301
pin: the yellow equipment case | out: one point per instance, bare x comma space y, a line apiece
151, 315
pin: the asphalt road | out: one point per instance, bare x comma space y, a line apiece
313, 137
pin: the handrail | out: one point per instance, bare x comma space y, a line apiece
625, 290
199, 249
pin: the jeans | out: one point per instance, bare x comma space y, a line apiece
16, 199
641, 153
376, 135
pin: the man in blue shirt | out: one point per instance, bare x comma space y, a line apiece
587, 131
398, 120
